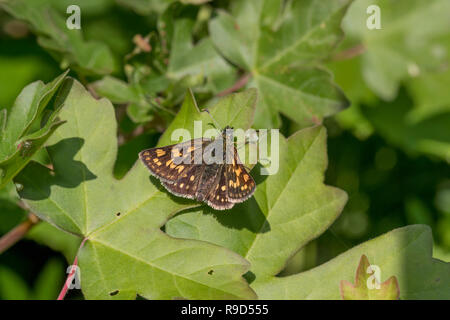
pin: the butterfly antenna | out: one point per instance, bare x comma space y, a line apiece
216, 124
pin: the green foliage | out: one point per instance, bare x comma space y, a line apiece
80, 196
177, 64
145, 7
414, 132
66, 45
21, 134
404, 253
283, 49
412, 50
273, 218
413, 39
45, 287
145, 68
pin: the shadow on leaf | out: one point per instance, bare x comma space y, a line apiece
41, 178
247, 215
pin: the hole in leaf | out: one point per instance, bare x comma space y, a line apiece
118, 214
113, 293
249, 276
210, 272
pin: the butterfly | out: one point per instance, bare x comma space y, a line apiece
202, 169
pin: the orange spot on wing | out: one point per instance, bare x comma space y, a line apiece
176, 153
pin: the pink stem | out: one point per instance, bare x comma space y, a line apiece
69, 279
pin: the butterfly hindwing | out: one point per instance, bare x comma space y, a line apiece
240, 184
187, 183
218, 198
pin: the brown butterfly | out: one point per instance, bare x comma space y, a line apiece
202, 169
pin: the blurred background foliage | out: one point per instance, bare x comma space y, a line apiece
389, 150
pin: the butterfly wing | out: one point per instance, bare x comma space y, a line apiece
218, 198
187, 184
229, 183
240, 184
168, 163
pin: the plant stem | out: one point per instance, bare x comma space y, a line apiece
238, 85
69, 279
17, 233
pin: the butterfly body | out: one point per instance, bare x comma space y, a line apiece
202, 169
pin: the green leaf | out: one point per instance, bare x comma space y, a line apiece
404, 253
12, 286
46, 234
395, 121
289, 209
10, 214
430, 95
46, 286
388, 290
125, 253
18, 71
414, 37
235, 110
145, 7
172, 65
117, 91
283, 49
176, 27
21, 133
49, 281
348, 76
68, 46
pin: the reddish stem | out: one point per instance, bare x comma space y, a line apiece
69, 279
350, 53
238, 85
17, 233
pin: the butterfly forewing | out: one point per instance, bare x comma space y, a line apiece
171, 163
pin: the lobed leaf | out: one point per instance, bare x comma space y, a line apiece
404, 253
21, 133
288, 209
366, 288
283, 48
125, 253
